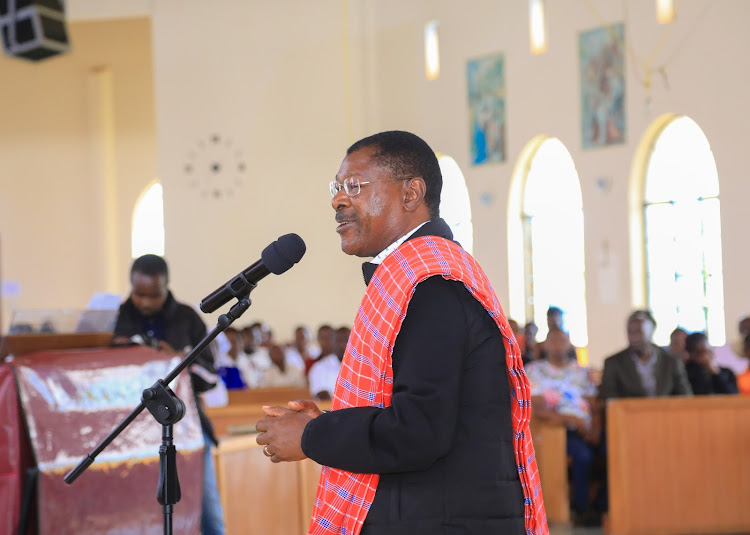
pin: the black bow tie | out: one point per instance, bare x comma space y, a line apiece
368, 270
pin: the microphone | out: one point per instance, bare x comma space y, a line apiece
277, 258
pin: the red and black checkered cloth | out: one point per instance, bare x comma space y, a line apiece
366, 377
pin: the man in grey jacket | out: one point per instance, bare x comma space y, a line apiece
643, 369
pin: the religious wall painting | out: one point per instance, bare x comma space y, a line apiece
601, 53
486, 88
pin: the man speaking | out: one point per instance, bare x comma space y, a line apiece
429, 427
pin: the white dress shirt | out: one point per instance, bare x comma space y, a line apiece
323, 374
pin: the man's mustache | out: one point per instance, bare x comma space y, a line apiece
342, 216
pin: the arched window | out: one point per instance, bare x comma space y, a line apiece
682, 233
455, 207
546, 238
147, 234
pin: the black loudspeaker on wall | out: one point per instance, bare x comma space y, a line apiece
33, 29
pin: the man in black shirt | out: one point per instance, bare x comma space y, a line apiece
151, 316
705, 376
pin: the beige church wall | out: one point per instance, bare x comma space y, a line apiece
270, 80
77, 146
707, 80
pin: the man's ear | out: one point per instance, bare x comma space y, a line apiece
414, 193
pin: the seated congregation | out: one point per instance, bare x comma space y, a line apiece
250, 358
569, 395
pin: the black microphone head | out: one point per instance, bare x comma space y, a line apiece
283, 253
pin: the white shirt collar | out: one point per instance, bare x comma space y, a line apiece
392, 247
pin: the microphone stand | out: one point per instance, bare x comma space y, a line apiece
167, 409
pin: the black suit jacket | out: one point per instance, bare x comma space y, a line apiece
705, 383
444, 448
621, 379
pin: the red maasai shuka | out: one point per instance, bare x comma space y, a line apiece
366, 377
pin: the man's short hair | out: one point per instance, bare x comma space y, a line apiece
150, 264
693, 339
407, 155
554, 310
642, 315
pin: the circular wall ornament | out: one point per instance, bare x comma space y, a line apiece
214, 167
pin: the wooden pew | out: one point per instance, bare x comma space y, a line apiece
245, 408
261, 396
259, 496
552, 461
283, 495
679, 465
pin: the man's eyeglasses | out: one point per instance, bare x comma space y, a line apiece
351, 186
